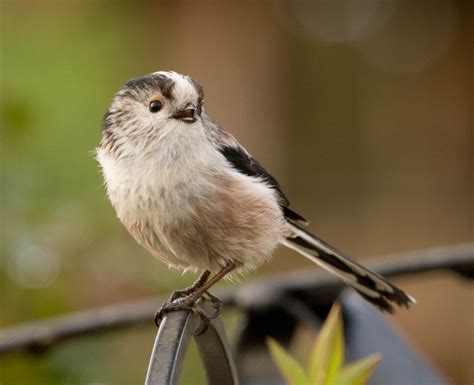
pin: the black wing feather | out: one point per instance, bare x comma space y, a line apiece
247, 165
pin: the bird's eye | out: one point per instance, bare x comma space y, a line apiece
155, 106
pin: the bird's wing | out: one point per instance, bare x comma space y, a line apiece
242, 161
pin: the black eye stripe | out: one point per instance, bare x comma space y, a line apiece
155, 106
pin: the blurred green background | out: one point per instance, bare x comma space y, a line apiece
362, 110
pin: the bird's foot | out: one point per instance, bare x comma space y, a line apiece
181, 293
188, 302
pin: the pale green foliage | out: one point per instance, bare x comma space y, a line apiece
289, 367
326, 360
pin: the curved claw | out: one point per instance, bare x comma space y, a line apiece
177, 294
216, 303
179, 301
189, 305
169, 307
218, 311
157, 319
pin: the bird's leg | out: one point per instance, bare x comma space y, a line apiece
188, 301
196, 285
202, 279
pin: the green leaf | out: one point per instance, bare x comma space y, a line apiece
327, 356
288, 366
359, 372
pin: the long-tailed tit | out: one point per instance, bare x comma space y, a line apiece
189, 193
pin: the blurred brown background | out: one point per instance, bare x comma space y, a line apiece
362, 110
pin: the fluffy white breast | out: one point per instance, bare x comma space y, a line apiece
159, 181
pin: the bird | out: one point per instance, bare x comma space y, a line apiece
197, 200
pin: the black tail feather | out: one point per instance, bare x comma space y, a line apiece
370, 285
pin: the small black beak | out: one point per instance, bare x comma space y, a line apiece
186, 113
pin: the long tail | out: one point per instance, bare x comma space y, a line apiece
368, 284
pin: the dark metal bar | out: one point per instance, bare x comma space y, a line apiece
171, 345
170, 348
216, 354
40, 335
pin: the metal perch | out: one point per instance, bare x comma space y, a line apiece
309, 286
172, 342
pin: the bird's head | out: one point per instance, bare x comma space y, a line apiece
149, 107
